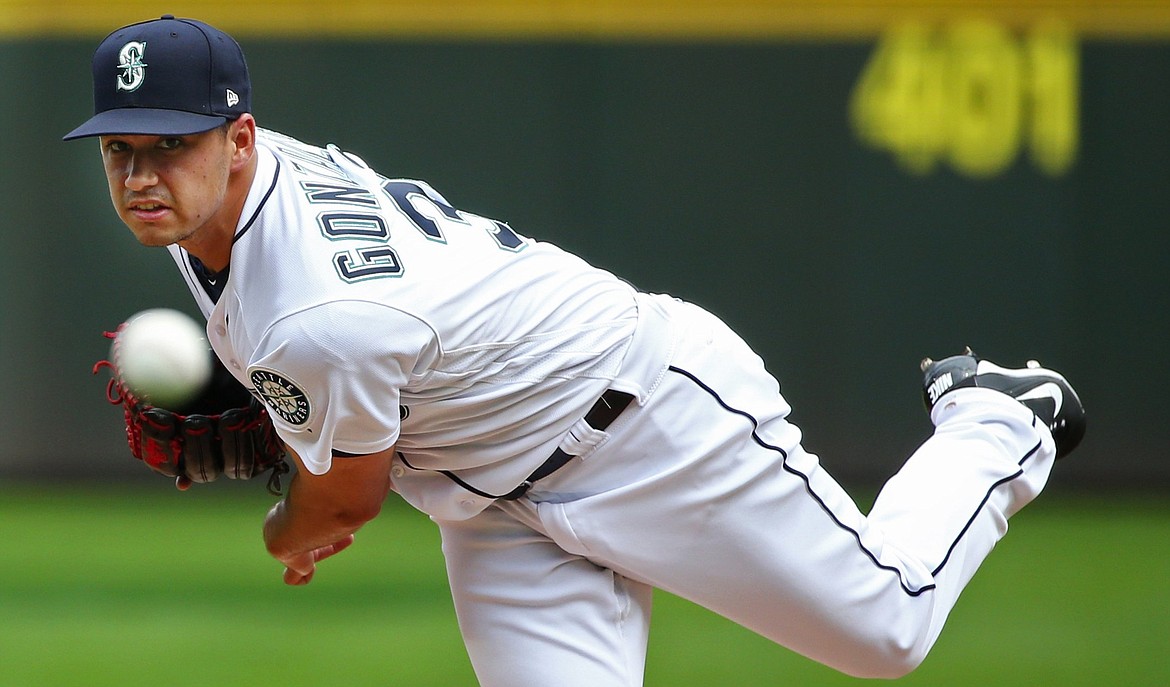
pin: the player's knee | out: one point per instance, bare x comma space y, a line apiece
890, 666
883, 656
878, 667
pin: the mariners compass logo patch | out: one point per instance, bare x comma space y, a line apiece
132, 70
283, 397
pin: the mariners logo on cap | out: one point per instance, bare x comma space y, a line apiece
131, 65
284, 398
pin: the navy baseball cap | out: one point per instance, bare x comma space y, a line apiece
166, 77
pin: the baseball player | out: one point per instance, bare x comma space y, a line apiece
578, 442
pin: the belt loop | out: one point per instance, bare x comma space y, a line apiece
600, 416
607, 408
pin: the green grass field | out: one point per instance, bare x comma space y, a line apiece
154, 587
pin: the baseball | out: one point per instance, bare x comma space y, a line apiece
163, 357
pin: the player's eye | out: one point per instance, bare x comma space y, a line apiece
170, 143
116, 146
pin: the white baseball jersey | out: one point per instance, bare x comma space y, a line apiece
368, 311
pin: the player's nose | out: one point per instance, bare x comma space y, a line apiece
140, 174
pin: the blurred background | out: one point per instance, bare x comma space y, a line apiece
852, 185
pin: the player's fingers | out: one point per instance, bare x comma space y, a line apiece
300, 569
333, 549
182, 483
297, 578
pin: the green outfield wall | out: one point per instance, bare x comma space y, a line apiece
850, 200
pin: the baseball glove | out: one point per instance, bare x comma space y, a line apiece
225, 431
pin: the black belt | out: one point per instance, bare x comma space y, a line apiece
601, 415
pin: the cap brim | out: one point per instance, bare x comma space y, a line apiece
144, 121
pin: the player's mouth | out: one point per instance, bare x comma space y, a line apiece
148, 210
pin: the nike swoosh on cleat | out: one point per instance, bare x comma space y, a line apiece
1046, 390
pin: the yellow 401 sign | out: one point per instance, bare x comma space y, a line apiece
972, 94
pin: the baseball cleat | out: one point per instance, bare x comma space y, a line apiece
1046, 393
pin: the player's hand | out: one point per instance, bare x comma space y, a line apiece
299, 569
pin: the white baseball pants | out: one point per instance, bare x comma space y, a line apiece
704, 491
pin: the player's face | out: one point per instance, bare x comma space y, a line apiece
171, 189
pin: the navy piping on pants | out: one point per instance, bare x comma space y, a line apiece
856, 535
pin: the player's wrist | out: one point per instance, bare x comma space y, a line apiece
274, 525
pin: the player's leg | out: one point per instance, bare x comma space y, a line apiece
533, 615
959, 391
719, 503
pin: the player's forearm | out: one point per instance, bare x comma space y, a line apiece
301, 523
321, 510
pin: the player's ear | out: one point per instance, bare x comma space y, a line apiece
242, 134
